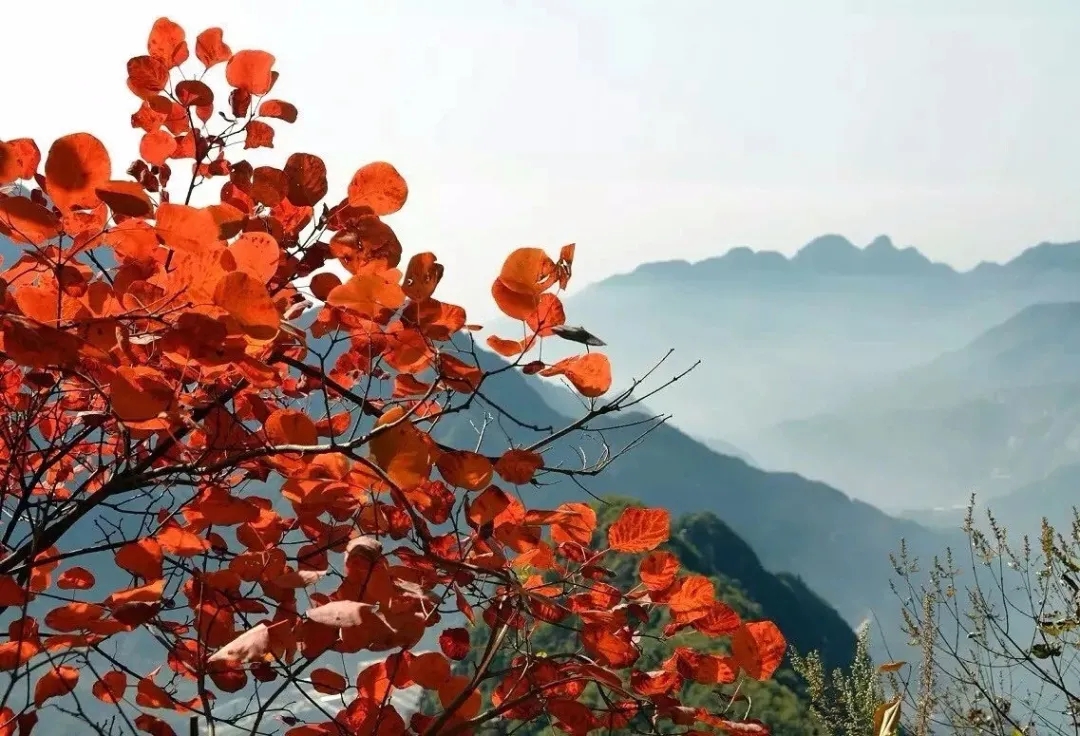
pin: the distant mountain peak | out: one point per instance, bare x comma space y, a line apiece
837, 255
1048, 257
881, 243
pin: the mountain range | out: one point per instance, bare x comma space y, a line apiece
790, 340
998, 414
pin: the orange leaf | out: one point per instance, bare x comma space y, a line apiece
518, 466
429, 670
590, 374
455, 686
504, 347
327, 681
290, 427
11, 593
14, 654
692, 594
147, 76
54, 683
278, 109
257, 254
465, 469
576, 523
186, 228
157, 146
149, 593
658, 570
422, 276
75, 578
142, 557
528, 271
639, 530
247, 301
180, 542
126, 198
609, 648
549, 313
139, 395
719, 620
402, 450
380, 187
168, 42
758, 647
110, 688
19, 159
655, 682
25, 221
250, 71
366, 294
210, 49
76, 166
512, 303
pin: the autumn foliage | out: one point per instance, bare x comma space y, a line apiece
221, 484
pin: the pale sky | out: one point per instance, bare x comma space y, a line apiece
641, 129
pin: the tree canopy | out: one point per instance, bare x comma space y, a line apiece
221, 487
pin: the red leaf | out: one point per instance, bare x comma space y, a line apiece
247, 301
639, 530
210, 49
518, 466
168, 43
126, 198
28, 222
590, 374
54, 683
290, 427
380, 187
259, 135
278, 109
250, 71
465, 469
76, 578
528, 271
157, 146
19, 159
147, 76
110, 688
180, 542
142, 558
328, 682
76, 166
307, 179
691, 594
455, 643
658, 570
758, 647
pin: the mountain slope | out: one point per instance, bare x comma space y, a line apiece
707, 546
999, 413
806, 528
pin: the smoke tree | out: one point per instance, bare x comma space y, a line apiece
222, 491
